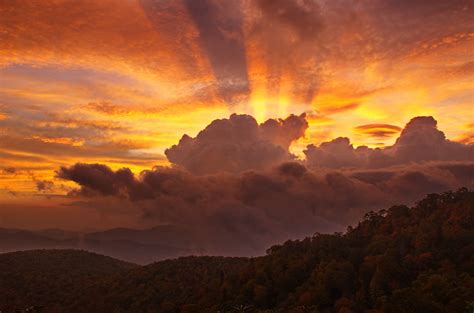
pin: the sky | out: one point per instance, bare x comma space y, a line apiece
119, 82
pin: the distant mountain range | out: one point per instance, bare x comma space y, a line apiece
133, 245
399, 260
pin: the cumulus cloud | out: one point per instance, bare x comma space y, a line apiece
238, 190
237, 144
420, 141
336, 153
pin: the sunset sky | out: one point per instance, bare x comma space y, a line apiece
117, 82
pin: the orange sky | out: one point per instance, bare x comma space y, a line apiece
117, 82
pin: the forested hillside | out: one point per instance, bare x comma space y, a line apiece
51, 278
402, 259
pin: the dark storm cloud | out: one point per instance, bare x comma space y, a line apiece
98, 178
227, 211
238, 144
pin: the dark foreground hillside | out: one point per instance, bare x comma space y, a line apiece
50, 278
402, 259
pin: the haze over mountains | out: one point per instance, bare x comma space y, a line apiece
137, 246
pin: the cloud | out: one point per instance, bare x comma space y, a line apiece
337, 153
420, 141
332, 109
300, 16
107, 108
237, 144
244, 213
9, 170
237, 189
378, 130
132, 36
53, 147
467, 138
283, 48
180, 47
97, 178
44, 185
383, 24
